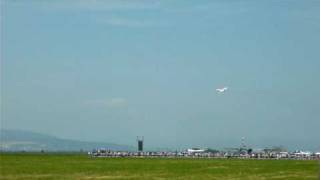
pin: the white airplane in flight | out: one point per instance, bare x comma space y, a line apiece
222, 90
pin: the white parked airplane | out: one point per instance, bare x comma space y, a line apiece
195, 150
222, 90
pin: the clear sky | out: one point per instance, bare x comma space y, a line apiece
113, 70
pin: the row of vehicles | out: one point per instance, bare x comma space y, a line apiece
207, 153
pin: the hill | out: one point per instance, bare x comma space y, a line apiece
18, 140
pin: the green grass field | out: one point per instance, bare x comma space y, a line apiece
68, 166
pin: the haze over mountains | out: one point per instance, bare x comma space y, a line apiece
19, 140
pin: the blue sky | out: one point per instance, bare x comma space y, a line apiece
113, 70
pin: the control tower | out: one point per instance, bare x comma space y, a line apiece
140, 143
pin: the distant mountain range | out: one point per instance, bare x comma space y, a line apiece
18, 140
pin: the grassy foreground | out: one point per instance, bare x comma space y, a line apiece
68, 166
